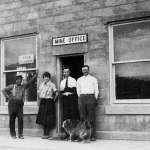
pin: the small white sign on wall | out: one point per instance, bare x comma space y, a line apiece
26, 59
74, 39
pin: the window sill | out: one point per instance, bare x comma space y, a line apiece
128, 109
27, 110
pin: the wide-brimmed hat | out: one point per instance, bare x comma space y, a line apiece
19, 77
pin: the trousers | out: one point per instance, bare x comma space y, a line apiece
87, 105
15, 108
70, 107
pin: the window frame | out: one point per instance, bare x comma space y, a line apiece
3, 71
112, 64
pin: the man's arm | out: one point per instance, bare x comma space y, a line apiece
96, 88
6, 91
26, 85
56, 93
78, 88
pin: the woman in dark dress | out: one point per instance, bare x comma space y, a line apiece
46, 114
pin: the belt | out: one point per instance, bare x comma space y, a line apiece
16, 99
46, 98
87, 94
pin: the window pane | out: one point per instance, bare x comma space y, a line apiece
17, 51
10, 79
133, 80
132, 41
31, 91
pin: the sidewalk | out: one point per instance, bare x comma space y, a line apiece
36, 143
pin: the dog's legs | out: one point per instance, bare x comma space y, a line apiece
70, 137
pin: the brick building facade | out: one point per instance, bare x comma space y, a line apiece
117, 52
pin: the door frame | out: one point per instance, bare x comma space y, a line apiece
59, 77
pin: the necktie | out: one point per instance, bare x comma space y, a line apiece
66, 86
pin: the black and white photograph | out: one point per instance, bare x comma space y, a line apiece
74, 74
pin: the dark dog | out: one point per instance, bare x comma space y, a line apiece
80, 130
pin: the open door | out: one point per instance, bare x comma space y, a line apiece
75, 64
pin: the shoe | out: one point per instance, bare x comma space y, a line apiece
45, 137
93, 139
50, 138
66, 138
13, 137
21, 137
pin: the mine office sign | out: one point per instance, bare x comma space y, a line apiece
74, 39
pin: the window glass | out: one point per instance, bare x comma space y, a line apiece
132, 41
20, 59
133, 80
16, 50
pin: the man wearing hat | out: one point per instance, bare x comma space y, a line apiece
15, 95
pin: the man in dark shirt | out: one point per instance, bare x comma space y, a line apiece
15, 95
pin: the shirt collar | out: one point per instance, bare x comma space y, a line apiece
17, 85
67, 77
86, 76
49, 82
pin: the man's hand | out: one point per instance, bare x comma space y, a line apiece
56, 96
67, 93
37, 72
96, 97
9, 97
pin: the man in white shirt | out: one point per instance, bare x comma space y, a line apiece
69, 96
87, 90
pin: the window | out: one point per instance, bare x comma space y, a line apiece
130, 62
19, 57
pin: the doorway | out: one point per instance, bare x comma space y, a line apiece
75, 64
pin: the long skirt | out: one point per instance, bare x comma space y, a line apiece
46, 114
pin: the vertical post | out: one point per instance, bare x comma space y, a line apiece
58, 109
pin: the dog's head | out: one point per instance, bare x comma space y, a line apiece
75, 128
69, 125
66, 123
